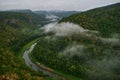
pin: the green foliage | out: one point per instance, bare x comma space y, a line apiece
104, 19
48, 52
98, 59
15, 31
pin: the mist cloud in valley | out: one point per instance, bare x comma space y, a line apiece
70, 29
106, 67
72, 50
64, 29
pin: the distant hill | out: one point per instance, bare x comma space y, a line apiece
57, 13
105, 19
44, 17
35, 18
17, 24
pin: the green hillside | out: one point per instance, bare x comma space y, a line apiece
16, 30
84, 54
14, 27
34, 18
105, 19
75, 53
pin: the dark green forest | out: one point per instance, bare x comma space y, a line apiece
93, 54
16, 30
105, 19
86, 57
80, 63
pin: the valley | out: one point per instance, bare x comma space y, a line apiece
60, 45
80, 51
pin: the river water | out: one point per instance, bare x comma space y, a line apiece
35, 67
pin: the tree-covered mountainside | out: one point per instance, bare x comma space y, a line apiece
40, 17
83, 57
14, 27
88, 53
105, 19
16, 30
83, 46
34, 18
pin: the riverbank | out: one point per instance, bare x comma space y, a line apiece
27, 47
59, 73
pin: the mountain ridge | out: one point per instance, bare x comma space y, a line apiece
103, 19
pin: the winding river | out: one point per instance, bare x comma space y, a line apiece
36, 67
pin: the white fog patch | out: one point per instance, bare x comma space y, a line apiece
115, 35
72, 50
102, 68
47, 28
71, 29
110, 40
50, 16
64, 29
50, 38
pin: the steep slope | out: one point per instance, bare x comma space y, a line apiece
14, 26
16, 30
88, 52
35, 18
104, 19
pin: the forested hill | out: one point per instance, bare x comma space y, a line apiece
83, 54
16, 30
35, 18
14, 26
105, 19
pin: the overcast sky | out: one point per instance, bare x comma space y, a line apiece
80, 5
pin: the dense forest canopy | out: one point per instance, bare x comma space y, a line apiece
85, 45
16, 30
105, 19
89, 53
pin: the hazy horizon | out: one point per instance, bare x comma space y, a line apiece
64, 5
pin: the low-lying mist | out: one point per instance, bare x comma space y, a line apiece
100, 59
64, 29
72, 50
104, 69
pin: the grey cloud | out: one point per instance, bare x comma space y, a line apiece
54, 4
